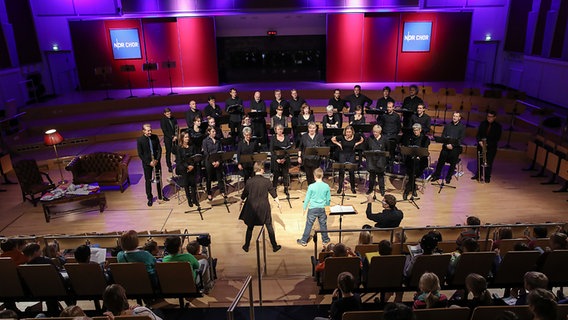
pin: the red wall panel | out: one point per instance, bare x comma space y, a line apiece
89, 46
198, 51
344, 47
161, 38
380, 44
138, 78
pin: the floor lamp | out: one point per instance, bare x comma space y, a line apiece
53, 138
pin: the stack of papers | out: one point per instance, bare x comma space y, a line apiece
72, 189
340, 209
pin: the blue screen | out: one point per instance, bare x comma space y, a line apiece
125, 44
417, 36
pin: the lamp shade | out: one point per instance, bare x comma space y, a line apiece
52, 137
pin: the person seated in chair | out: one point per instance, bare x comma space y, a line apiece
130, 253
116, 303
343, 298
172, 246
450, 151
429, 295
10, 249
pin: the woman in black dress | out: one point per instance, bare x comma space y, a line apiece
358, 117
376, 164
306, 116
212, 145
312, 139
280, 164
186, 168
195, 133
347, 144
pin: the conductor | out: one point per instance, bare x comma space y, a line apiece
256, 208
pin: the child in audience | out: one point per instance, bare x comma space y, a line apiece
533, 280
542, 304
339, 250
429, 295
429, 245
130, 253
471, 232
468, 245
343, 299
152, 247
72, 312
194, 248
172, 245
398, 311
501, 234
33, 252
10, 250
365, 237
116, 302
477, 285
53, 252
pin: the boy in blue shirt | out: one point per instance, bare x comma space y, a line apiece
317, 198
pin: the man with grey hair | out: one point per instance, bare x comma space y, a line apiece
246, 147
331, 119
415, 165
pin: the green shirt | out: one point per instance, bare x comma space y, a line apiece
184, 257
318, 195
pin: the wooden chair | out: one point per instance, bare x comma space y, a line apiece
363, 315
134, 278
11, 289
554, 268
31, 180
436, 263
460, 313
513, 267
43, 281
87, 280
176, 280
491, 312
471, 262
336, 265
385, 273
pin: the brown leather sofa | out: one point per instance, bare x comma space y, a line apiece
106, 168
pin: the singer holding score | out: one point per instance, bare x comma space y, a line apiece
150, 151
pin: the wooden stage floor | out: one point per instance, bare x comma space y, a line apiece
512, 196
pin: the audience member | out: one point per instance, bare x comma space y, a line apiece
471, 232
172, 245
116, 302
507, 315
130, 253
533, 280
365, 237
152, 247
468, 245
501, 234
32, 251
10, 250
398, 311
477, 285
429, 295
429, 245
8, 314
542, 304
53, 252
339, 250
343, 298
194, 248
72, 312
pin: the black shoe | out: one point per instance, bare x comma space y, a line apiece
164, 198
170, 170
190, 203
414, 193
339, 190
433, 178
405, 195
353, 191
448, 181
276, 248
487, 180
286, 191
149, 203
383, 193
245, 248
475, 178
369, 191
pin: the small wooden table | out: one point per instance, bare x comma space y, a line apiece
97, 197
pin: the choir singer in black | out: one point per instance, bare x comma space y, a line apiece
347, 144
376, 165
214, 169
312, 139
186, 168
280, 164
415, 167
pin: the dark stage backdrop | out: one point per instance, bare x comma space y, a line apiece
368, 47
190, 42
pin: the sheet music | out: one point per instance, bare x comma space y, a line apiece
339, 209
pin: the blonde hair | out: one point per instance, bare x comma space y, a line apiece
318, 173
365, 237
430, 283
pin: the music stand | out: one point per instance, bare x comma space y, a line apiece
348, 166
252, 158
363, 128
415, 153
104, 72
318, 151
128, 68
235, 109
170, 65
444, 140
286, 153
340, 213
301, 129
372, 156
287, 131
436, 117
195, 160
223, 157
149, 67
332, 132
349, 115
376, 112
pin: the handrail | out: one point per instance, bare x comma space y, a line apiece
260, 274
239, 296
12, 117
392, 230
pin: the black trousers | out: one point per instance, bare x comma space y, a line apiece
377, 175
281, 170
168, 142
235, 130
189, 183
216, 173
148, 173
449, 156
271, 235
342, 178
248, 172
